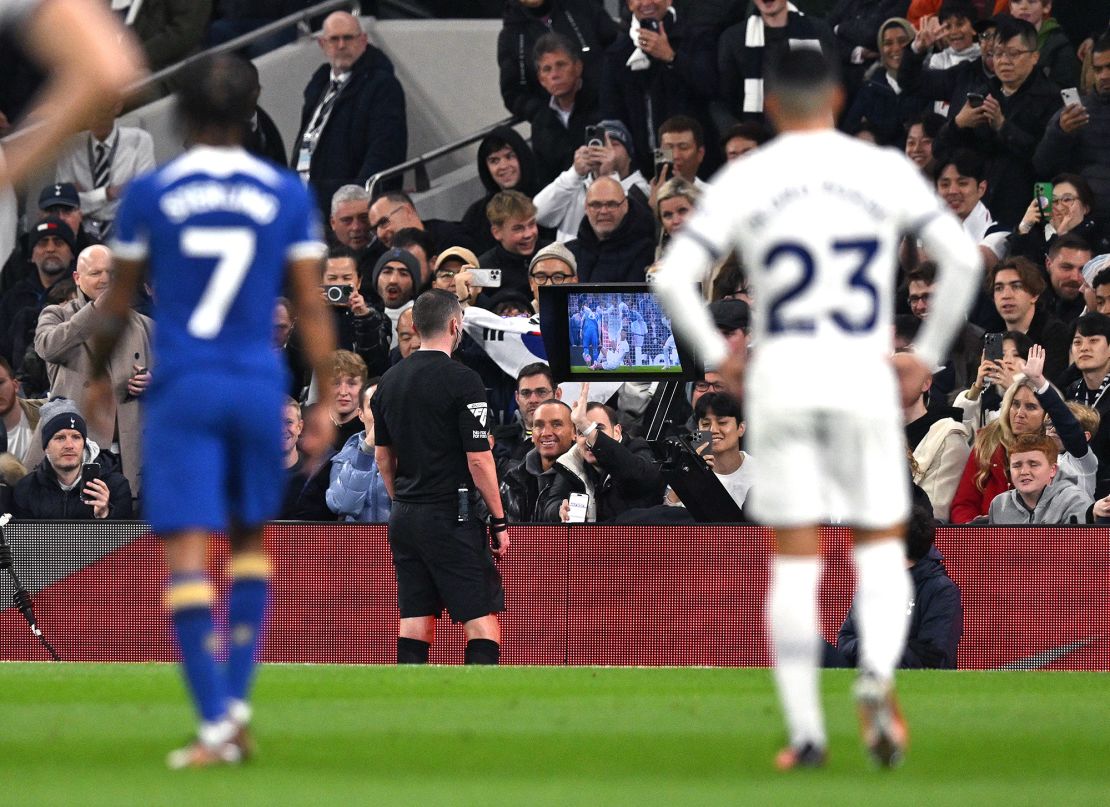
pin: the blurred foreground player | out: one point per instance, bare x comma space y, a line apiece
217, 230
824, 296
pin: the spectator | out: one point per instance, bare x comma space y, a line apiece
64, 340
314, 448
350, 226
664, 67
936, 611
359, 326
18, 415
615, 243
981, 401
353, 118
1011, 120
960, 366
949, 86
720, 414
100, 163
53, 489
263, 138
397, 280
348, 378
1056, 53
1017, 286
956, 18
356, 492
881, 104
986, 474
562, 204
743, 51
1101, 285
558, 126
1067, 294
505, 163
167, 30
1091, 349
961, 180
394, 211
743, 138
525, 488
1078, 136
292, 426
62, 201
920, 133
449, 263
51, 243
939, 442
420, 245
287, 344
685, 137
512, 220
585, 25
855, 24
1039, 496
408, 340
1069, 213
535, 384
675, 201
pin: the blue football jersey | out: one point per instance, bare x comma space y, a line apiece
217, 228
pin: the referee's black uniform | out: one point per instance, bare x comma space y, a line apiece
431, 410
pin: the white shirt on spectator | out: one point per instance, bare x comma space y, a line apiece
19, 438
394, 314
134, 155
739, 482
986, 232
562, 204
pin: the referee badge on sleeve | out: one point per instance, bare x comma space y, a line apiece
480, 412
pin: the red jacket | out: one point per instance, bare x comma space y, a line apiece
970, 502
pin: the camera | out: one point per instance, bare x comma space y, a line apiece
338, 295
595, 135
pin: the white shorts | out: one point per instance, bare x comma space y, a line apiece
817, 467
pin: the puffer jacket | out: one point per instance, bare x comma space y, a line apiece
357, 492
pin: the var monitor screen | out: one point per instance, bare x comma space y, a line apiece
611, 332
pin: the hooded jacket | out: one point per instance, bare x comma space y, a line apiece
356, 492
474, 220
1062, 502
39, 495
1057, 55
624, 256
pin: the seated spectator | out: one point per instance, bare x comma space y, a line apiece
986, 474
562, 204
448, 264
1039, 495
360, 327
1068, 294
947, 87
881, 104
1101, 285
855, 24
11, 471
18, 415
512, 222
1005, 129
939, 442
663, 67
936, 611
1091, 351
350, 227
52, 252
356, 492
616, 471
100, 163
314, 449
720, 414
1069, 214
675, 201
1017, 285
64, 340
525, 487
585, 25
287, 344
960, 366
920, 133
685, 137
535, 384
1076, 137
348, 378
743, 138
53, 489
420, 245
393, 211
615, 243
292, 426
505, 163
397, 280
408, 340
1056, 53
980, 402
956, 18
559, 125
62, 201
961, 180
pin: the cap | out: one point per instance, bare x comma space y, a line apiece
460, 253
730, 315
52, 225
62, 194
556, 251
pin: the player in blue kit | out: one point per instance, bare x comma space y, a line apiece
217, 231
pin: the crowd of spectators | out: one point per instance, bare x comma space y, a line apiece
629, 118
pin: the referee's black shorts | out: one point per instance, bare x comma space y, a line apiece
441, 562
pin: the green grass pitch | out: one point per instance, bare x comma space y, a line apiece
87, 734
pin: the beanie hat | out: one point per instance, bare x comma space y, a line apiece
618, 131
557, 251
52, 225
396, 255
730, 315
58, 414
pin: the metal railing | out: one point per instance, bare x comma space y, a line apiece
419, 165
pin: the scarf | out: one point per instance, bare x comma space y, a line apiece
799, 34
640, 60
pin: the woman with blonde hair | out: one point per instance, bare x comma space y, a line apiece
674, 202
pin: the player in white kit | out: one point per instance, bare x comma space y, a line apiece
817, 218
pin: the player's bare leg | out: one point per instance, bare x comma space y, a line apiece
882, 596
414, 639
483, 640
794, 631
247, 603
190, 598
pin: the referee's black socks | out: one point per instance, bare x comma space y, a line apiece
482, 651
412, 651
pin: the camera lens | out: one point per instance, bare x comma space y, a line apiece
335, 294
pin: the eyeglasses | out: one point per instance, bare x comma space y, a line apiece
1067, 198
543, 393
705, 386
920, 298
597, 207
444, 273
1009, 54
557, 279
384, 220
340, 39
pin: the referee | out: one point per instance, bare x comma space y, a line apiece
431, 430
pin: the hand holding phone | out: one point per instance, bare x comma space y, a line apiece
89, 472
579, 502
486, 278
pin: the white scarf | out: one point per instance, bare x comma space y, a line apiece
640, 60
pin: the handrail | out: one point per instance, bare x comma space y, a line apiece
419, 164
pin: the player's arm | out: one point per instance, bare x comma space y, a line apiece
315, 323
92, 60
113, 310
690, 259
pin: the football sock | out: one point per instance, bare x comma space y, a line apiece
412, 651
795, 638
190, 601
483, 651
246, 610
882, 597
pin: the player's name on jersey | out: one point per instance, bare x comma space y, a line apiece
206, 196
796, 193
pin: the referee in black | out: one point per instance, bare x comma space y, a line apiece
431, 430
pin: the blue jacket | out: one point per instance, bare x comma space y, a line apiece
356, 492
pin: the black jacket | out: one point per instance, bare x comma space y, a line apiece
510, 445
28, 293
585, 23
553, 143
950, 85
514, 270
1086, 151
264, 140
39, 496
366, 131
886, 112
474, 220
936, 623
624, 255
524, 491
1054, 336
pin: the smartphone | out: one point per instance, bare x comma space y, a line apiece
89, 472
975, 99
704, 438
486, 278
1042, 192
992, 346
1069, 96
579, 502
664, 156
595, 135
651, 25
338, 295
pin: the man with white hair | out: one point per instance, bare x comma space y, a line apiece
62, 340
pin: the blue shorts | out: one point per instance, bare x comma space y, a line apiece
212, 454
